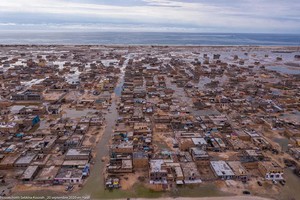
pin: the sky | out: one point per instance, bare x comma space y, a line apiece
217, 16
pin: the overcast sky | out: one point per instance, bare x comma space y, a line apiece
248, 16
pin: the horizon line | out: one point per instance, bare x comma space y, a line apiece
128, 31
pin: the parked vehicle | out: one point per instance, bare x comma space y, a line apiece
282, 182
259, 183
246, 192
69, 187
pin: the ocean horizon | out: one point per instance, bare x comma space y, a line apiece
147, 38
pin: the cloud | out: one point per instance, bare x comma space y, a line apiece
196, 15
8, 24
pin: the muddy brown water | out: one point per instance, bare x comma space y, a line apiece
291, 190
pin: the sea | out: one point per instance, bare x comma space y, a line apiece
147, 38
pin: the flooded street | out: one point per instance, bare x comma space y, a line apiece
95, 188
283, 142
73, 113
291, 189
284, 69
94, 185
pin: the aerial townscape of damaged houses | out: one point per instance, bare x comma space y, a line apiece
182, 115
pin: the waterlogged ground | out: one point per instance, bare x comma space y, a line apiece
94, 186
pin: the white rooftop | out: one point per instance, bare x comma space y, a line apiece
221, 168
198, 141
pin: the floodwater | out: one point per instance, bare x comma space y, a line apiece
95, 183
203, 80
283, 142
119, 87
43, 125
291, 189
95, 187
32, 82
15, 109
73, 113
285, 69
292, 116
